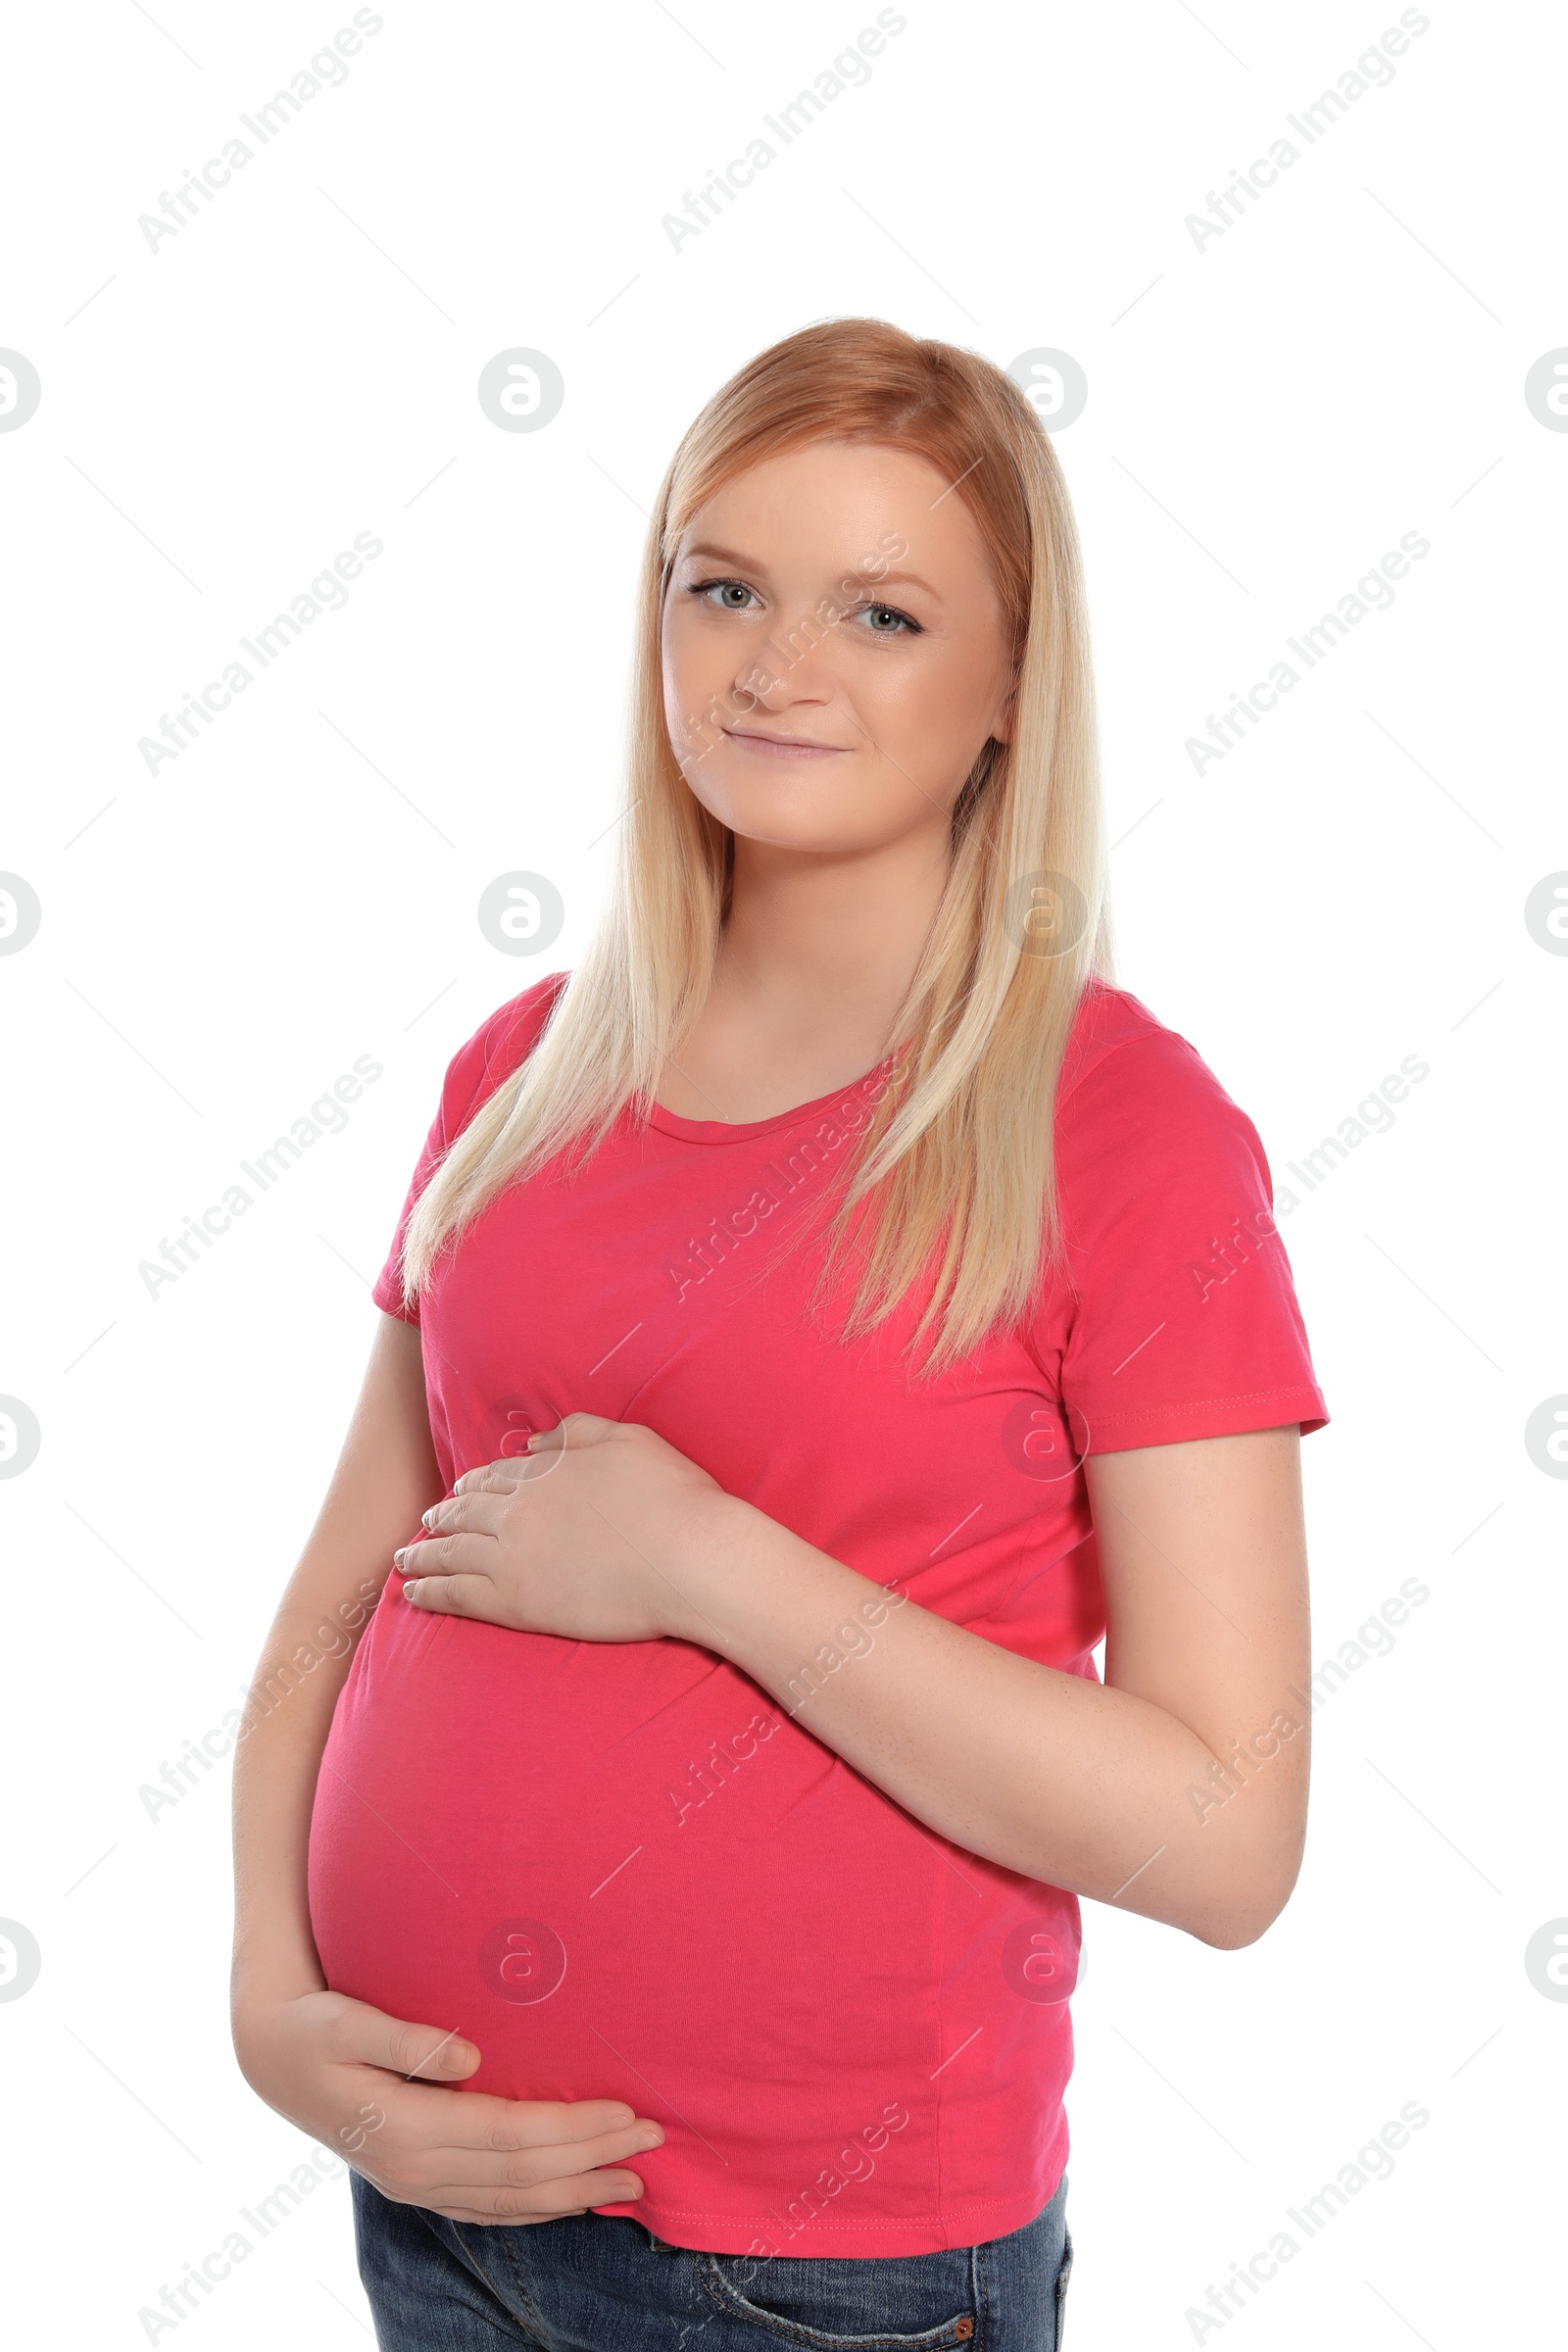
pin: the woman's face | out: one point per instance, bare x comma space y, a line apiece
835, 651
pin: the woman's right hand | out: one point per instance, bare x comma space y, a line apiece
368, 2085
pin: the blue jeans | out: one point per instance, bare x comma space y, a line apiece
603, 2283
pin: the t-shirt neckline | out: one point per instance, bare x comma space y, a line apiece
726, 1130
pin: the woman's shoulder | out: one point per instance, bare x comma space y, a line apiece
1139, 1105
1117, 1047
1166, 1195
503, 1040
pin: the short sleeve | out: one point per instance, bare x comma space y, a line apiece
1181, 1318
474, 1073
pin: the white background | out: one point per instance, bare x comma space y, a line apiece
1266, 416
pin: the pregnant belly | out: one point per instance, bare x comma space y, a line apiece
621, 1873
609, 1866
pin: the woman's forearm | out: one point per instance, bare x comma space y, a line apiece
607, 1533
385, 1475
1065, 1779
278, 1757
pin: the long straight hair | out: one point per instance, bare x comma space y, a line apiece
950, 1185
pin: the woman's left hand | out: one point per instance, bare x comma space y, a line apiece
584, 1535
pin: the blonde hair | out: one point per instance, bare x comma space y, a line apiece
953, 1173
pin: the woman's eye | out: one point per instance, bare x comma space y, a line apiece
725, 596
886, 620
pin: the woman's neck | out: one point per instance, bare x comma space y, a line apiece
815, 962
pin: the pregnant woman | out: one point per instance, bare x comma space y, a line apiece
816, 1321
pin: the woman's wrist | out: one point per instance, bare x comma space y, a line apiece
709, 1576
755, 1592
262, 1975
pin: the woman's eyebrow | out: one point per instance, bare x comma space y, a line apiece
708, 551
906, 579
720, 554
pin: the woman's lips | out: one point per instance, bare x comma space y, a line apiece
783, 747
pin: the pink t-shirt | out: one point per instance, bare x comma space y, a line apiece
624, 1869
